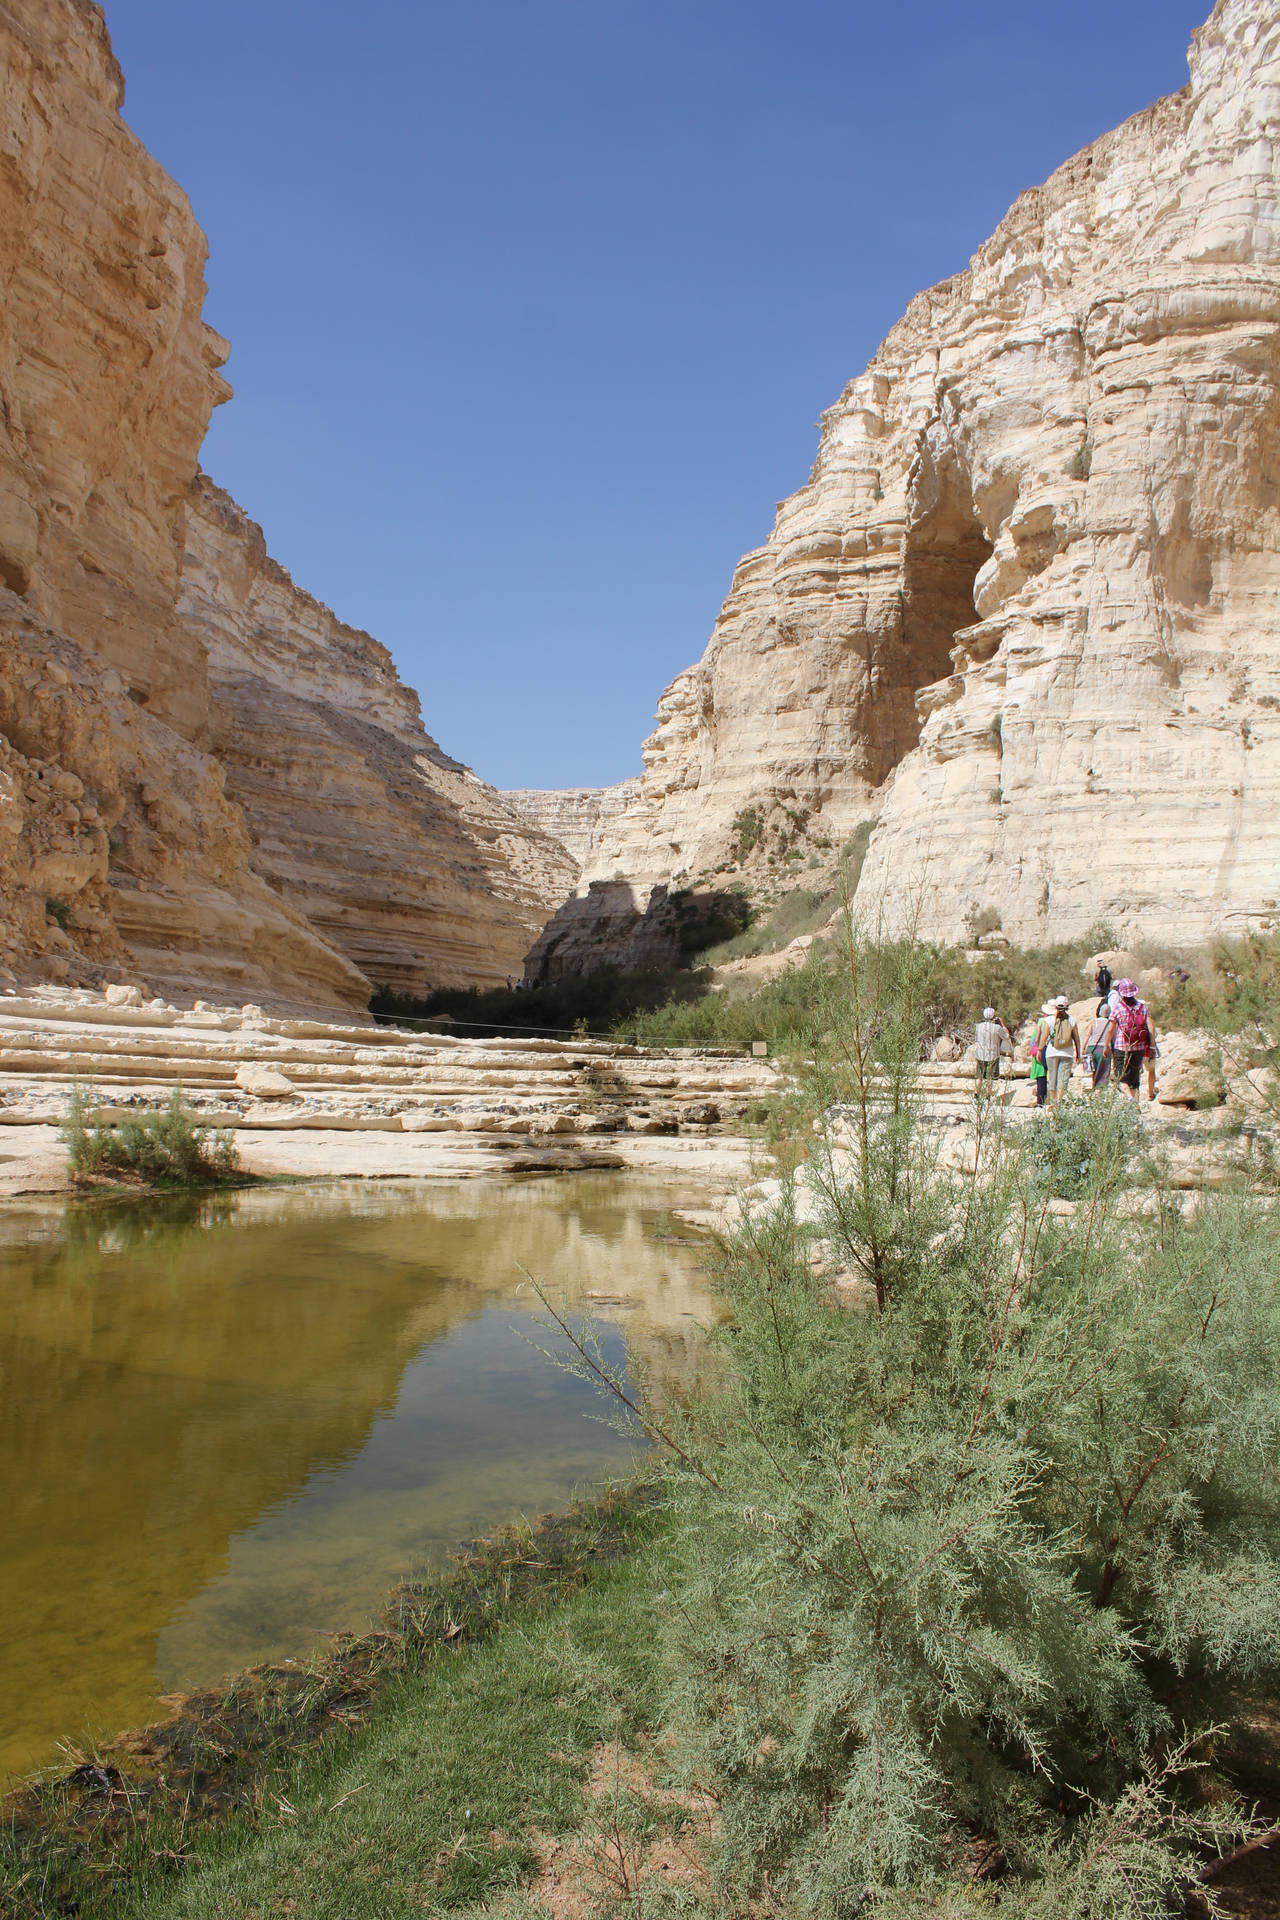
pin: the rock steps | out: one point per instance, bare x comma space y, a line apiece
241, 1069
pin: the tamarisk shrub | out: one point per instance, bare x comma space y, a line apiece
974, 1545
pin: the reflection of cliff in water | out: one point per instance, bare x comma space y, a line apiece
171, 1405
172, 1372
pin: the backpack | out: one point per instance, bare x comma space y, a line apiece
1062, 1033
1131, 1027
1102, 980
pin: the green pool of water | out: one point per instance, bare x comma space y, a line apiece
229, 1425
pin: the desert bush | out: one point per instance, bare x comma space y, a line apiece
979, 920
166, 1147
970, 1564
1234, 990
1083, 1145
748, 826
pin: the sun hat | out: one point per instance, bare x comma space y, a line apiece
1062, 1001
1049, 1007
988, 1013
1124, 987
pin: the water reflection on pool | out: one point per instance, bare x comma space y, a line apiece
227, 1426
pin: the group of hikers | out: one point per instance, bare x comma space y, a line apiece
1119, 1046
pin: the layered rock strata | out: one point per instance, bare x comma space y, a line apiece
1025, 610
205, 778
579, 818
108, 373
401, 858
431, 1103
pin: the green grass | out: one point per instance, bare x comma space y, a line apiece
803, 910
432, 1809
344, 1784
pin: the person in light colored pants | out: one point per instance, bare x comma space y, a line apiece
1063, 1049
1059, 1067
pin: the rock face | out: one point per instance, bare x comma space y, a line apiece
1025, 611
119, 848
204, 776
406, 863
108, 373
579, 818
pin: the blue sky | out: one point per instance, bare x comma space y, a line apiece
534, 306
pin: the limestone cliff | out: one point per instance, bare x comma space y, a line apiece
206, 781
1025, 610
401, 858
108, 373
579, 818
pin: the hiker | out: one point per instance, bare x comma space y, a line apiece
1038, 1072
1062, 1051
1095, 1048
992, 1040
1102, 980
1131, 1039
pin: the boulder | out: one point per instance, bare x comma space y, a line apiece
1193, 1077
265, 1083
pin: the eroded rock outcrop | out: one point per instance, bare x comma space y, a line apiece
1025, 611
108, 373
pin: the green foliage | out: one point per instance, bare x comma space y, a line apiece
972, 1556
853, 855
702, 919
979, 920
58, 911
1014, 980
1234, 990
803, 910
1080, 465
782, 1012
1083, 1144
165, 1148
604, 1001
748, 826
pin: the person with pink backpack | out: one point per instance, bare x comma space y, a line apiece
1130, 1040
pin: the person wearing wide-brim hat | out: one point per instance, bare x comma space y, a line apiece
1038, 1072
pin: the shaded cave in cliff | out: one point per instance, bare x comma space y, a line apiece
942, 555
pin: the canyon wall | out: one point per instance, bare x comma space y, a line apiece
404, 861
206, 781
579, 818
1025, 610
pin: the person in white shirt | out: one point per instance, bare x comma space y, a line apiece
1063, 1050
992, 1040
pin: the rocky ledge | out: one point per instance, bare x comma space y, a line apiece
309, 1096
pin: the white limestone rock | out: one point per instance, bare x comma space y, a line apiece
1026, 611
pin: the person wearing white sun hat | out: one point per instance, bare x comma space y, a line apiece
1063, 1050
1039, 1072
